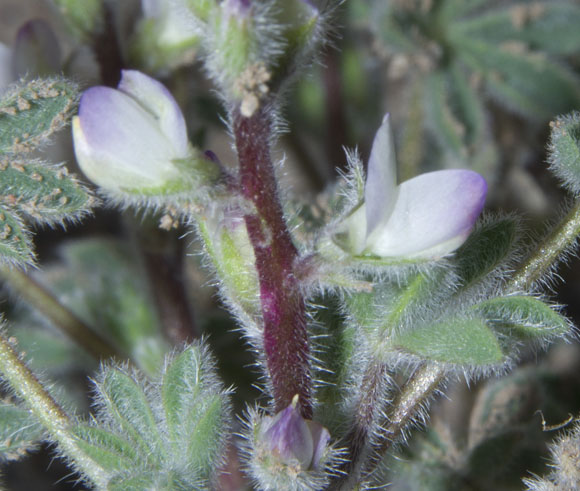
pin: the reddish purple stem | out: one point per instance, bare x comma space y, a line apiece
283, 307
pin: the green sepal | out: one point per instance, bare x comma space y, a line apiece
30, 113
564, 150
236, 46
124, 400
467, 341
488, 246
15, 244
43, 192
523, 317
550, 26
108, 450
20, 432
232, 256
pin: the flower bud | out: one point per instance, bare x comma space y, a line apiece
294, 441
166, 37
133, 139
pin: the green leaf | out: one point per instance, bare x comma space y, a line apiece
44, 193
394, 305
15, 245
460, 341
455, 9
153, 481
108, 450
550, 26
20, 432
113, 299
31, 113
125, 401
206, 425
182, 385
523, 317
197, 411
450, 129
564, 150
488, 246
465, 104
525, 82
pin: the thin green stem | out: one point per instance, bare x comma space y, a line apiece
45, 408
45, 302
546, 255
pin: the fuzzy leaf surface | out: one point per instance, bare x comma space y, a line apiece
550, 26
43, 192
127, 403
459, 341
112, 298
15, 245
194, 411
31, 113
110, 451
167, 432
523, 317
564, 150
19, 432
486, 248
528, 83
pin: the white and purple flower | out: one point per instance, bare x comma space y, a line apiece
424, 218
130, 139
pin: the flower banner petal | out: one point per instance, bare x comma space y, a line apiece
381, 182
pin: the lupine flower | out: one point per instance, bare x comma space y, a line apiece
426, 217
131, 138
292, 439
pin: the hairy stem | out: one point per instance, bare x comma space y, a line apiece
45, 302
45, 408
547, 252
373, 399
283, 307
413, 394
